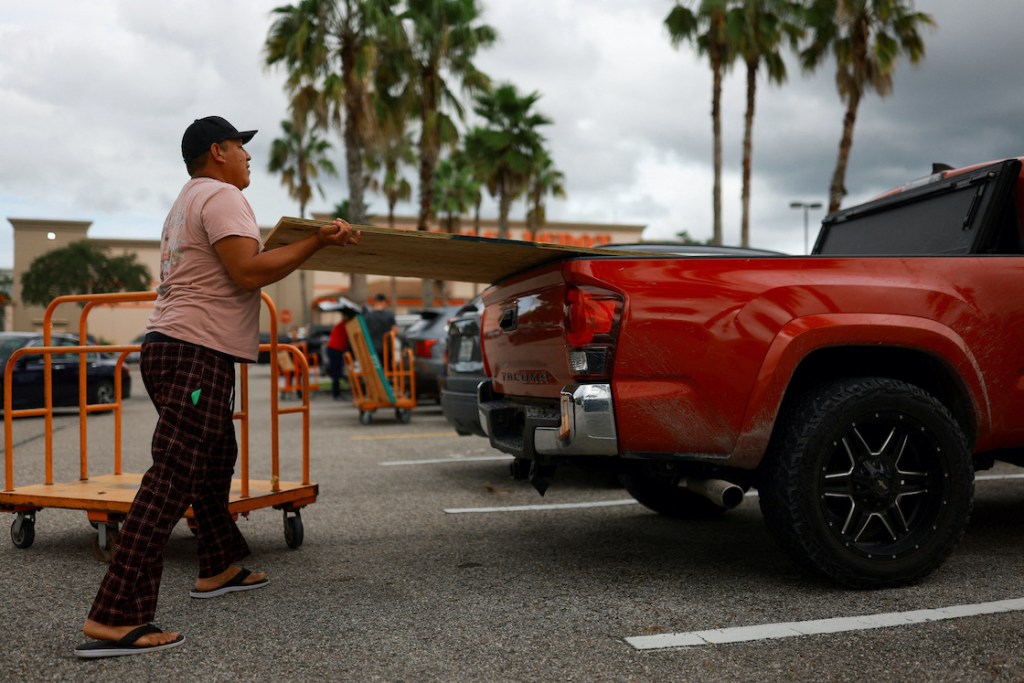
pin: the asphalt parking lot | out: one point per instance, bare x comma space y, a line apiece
424, 561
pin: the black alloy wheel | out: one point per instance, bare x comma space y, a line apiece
869, 481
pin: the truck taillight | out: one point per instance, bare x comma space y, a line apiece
590, 313
591, 327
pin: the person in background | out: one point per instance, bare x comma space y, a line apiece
379, 321
337, 345
206, 318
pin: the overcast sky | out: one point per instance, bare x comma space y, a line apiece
97, 94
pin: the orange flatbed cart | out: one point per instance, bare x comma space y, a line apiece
375, 383
107, 498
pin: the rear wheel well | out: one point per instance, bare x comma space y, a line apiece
909, 365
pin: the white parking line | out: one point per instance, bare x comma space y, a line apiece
995, 477
742, 634
435, 461
553, 506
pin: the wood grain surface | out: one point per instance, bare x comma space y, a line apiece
428, 255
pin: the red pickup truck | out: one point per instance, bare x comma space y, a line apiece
858, 389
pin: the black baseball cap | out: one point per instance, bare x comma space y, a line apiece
204, 132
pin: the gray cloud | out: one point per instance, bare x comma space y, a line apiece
96, 96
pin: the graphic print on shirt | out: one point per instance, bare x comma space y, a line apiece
170, 245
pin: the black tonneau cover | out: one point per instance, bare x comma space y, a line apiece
968, 213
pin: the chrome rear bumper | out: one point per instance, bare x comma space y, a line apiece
583, 426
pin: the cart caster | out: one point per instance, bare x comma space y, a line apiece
403, 415
23, 530
104, 542
365, 417
293, 530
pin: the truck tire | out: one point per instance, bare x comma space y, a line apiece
666, 497
868, 481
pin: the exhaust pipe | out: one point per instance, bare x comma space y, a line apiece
718, 491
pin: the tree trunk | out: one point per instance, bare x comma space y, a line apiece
391, 224
430, 147
354, 163
427, 164
302, 281
429, 151
716, 126
504, 206
837, 190
748, 135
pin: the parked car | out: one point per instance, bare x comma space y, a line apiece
133, 357
464, 370
428, 339
27, 375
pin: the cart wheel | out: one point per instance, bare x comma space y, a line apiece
403, 415
365, 417
293, 530
104, 542
23, 530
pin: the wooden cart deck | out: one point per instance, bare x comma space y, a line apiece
113, 494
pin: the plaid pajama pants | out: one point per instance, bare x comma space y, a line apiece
194, 452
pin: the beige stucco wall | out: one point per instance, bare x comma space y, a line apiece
121, 324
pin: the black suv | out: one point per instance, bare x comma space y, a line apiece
464, 369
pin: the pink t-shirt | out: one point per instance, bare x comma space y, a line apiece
198, 301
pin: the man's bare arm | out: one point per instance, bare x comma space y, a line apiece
251, 269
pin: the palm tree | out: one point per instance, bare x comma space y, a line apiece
866, 37
509, 142
756, 29
707, 29
477, 166
327, 48
455, 190
444, 37
300, 156
545, 180
385, 164
393, 148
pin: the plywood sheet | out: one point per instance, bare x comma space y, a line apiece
378, 389
427, 255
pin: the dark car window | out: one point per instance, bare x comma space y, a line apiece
9, 346
65, 357
430, 324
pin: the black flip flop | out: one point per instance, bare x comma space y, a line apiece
233, 586
126, 646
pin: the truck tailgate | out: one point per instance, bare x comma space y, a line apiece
524, 332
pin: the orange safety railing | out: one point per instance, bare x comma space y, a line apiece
399, 371
90, 301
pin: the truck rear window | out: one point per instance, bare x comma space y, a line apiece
969, 213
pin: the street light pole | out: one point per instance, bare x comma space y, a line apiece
806, 206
